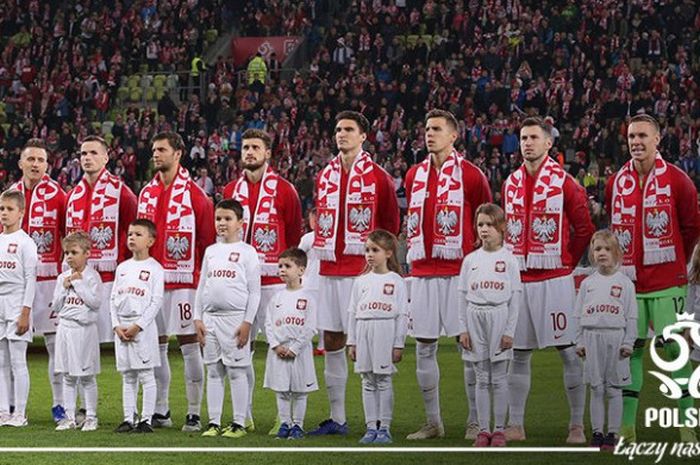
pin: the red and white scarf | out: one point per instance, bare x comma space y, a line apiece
657, 214
448, 230
103, 223
179, 236
265, 235
44, 224
360, 207
539, 235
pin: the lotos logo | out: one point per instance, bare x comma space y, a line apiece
671, 388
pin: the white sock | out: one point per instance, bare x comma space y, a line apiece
162, 375
499, 383
148, 381
194, 376
70, 384
385, 391
215, 391
299, 408
336, 376
238, 381
614, 395
428, 374
597, 408
518, 386
5, 379
482, 370
55, 379
284, 407
250, 382
573, 383
470, 389
130, 387
89, 384
370, 400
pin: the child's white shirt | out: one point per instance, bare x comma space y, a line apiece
137, 293
83, 298
291, 319
18, 262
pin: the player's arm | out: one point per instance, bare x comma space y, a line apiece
513, 304
128, 204
478, 189
199, 293
270, 335
89, 289
578, 214
293, 217
576, 319
253, 278
688, 214
463, 291
400, 323
631, 312
112, 301
29, 262
204, 218
389, 218
59, 294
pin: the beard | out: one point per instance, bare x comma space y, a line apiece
253, 166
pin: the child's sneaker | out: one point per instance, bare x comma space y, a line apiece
58, 413
17, 420
428, 431
66, 424
515, 433
234, 431
90, 424
383, 436
4, 418
283, 431
124, 427
498, 439
330, 427
143, 427
80, 416
609, 442
369, 437
597, 440
472, 431
212, 430
192, 424
161, 421
296, 433
483, 439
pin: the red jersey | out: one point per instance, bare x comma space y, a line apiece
577, 228
387, 218
685, 226
288, 208
476, 192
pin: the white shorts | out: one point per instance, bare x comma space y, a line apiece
140, 353
104, 318
486, 327
295, 375
77, 349
176, 318
374, 346
266, 294
603, 363
546, 314
10, 310
333, 300
434, 307
220, 342
44, 318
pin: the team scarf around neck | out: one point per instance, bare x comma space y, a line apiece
360, 207
448, 230
103, 223
657, 214
265, 235
44, 224
539, 235
179, 234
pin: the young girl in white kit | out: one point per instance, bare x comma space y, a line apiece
376, 332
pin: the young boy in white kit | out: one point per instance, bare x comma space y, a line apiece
77, 300
290, 325
606, 310
18, 261
137, 297
225, 306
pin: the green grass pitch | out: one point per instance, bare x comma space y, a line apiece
546, 421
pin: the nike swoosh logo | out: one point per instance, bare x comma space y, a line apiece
558, 337
475, 268
185, 325
625, 379
310, 384
383, 367
237, 359
145, 361
85, 368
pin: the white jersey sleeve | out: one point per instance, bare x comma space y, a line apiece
631, 315
270, 335
306, 331
516, 287
59, 293
199, 294
18, 262
89, 288
578, 313
352, 310
401, 322
253, 278
29, 264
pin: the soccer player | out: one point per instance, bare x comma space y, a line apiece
654, 214
137, 297
18, 262
225, 307
78, 299
442, 192
184, 219
290, 325
548, 227
44, 221
354, 196
271, 223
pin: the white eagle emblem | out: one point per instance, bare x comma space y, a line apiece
360, 218
301, 304
447, 220
43, 241
657, 223
544, 229
515, 229
177, 247
144, 275
265, 239
325, 223
624, 238
101, 236
616, 291
412, 224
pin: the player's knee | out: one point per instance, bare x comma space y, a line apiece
333, 340
368, 382
426, 350
522, 357
482, 379
235, 373
163, 340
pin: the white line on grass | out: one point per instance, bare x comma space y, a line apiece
359, 450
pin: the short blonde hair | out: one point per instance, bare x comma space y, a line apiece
610, 239
17, 196
79, 238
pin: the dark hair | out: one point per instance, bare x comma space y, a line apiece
388, 242
233, 205
173, 138
645, 118
539, 122
17, 196
296, 255
359, 118
496, 214
98, 139
448, 116
146, 223
258, 134
35, 143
